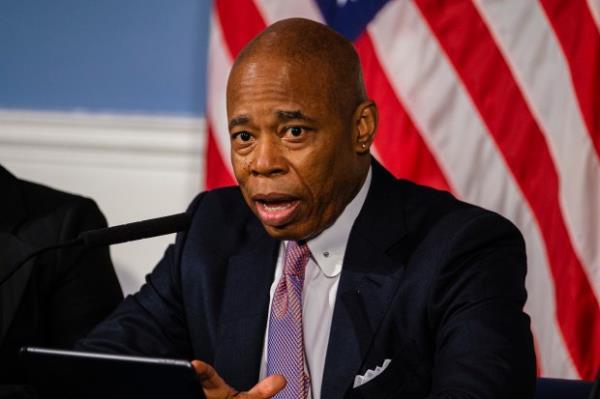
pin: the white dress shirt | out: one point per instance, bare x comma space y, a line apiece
321, 280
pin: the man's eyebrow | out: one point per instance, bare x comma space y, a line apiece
291, 115
238, 120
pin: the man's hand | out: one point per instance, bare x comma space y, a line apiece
215, 388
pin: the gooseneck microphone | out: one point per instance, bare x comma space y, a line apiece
115, 235
135, 231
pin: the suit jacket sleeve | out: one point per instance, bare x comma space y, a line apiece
483, 344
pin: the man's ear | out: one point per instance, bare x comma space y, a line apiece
365, 119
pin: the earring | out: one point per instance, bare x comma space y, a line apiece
363, 145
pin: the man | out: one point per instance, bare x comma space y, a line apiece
57, 297
321, 267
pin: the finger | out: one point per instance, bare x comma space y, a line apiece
267, 387
209, 378
212, 383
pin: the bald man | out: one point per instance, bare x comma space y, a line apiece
322, 275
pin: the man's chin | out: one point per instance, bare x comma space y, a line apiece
287, 232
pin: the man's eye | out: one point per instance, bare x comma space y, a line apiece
243, 136
296, 131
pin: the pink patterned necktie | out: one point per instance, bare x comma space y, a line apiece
286, 340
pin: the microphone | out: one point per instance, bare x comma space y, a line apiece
135, 231
115, 235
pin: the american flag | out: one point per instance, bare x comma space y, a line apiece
496, 101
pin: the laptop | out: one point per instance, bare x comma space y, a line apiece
72, 374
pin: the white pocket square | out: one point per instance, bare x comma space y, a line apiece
370, 374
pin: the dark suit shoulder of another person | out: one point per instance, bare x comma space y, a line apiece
61, 294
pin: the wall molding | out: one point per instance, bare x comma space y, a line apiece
120, 140
134, 166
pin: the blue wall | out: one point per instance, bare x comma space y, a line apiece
125, 56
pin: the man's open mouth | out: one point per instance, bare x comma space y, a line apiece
276, 209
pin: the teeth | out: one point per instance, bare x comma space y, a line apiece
276, 207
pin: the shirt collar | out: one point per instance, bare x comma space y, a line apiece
328, 248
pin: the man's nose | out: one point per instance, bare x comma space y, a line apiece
268, 159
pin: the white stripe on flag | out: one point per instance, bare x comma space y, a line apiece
275, 10
517, 30
435, 97
594, 6
219, 64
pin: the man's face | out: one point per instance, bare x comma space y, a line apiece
292, 150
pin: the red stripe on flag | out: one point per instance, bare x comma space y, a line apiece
240, 21
473, 52
580, 41
217, 174
398, 142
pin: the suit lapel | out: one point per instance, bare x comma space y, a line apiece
244, 313
362, 301
368, 283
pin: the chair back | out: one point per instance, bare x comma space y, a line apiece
595, 393
555, 388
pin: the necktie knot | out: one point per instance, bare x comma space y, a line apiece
296, 258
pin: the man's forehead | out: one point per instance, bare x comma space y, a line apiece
278, 81
258, 65
277, 67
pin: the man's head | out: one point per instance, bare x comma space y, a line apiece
301, 127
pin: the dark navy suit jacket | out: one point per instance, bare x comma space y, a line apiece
432, 283
57, 297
